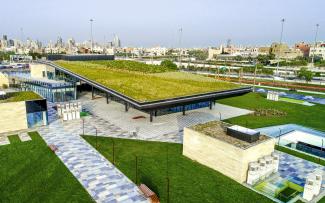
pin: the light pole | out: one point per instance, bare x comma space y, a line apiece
255, 74
278, 57
91, 34
315, 44
180, 44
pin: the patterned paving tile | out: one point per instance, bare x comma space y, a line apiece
296, 169
24, 136
167, 128
4, 140
103, 181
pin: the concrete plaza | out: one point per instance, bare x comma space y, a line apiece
167, 128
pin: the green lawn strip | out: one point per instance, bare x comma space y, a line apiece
14, 139
189, 180
308, 116
300, 155
20, 96
31, 172
296, 101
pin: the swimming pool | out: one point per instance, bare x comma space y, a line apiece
297, 137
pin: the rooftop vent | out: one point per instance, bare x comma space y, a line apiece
242, 133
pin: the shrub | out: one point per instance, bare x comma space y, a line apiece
168, 64
4, 86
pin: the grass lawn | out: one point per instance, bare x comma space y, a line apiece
21, 96
309, 116
189, 181
31, 172
140, 82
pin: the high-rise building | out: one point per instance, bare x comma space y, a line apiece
116, 42
4, 42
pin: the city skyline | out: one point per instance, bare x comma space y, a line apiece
245, 22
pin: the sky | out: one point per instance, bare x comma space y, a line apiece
146, 23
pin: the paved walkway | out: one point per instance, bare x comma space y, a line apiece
22, 134
296, 169
166, 128
103, 181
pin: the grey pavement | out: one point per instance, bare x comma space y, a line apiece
166, 128
103, 181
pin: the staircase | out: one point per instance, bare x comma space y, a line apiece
52, 113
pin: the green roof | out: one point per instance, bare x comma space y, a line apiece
144, 82
20, 96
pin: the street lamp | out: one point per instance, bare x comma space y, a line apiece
315, 44
91, 34
255, 74
282, 25
180, 44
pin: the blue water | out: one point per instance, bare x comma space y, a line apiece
275, 131
307, 98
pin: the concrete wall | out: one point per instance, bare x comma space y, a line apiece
13, 116
222, 156
3, 80
36, 70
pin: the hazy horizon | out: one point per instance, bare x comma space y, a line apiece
147, 23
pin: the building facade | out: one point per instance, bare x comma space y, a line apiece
319, 50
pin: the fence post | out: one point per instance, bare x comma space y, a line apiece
113, 152
136, 169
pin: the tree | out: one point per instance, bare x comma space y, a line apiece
168, 64
238, 58
306, 74
6, 55
265, 59
198, 54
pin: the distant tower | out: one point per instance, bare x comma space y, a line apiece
228, 43
22, 34
116, 42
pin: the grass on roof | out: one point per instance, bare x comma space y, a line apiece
133, 66
144, 85
31, 172
20, 96
189, 181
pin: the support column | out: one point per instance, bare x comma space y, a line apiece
155, 113
151, 116
107, 98
210, 105
75, 93
183, 109
92, 92
126, 107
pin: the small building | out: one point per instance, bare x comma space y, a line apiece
22, 110
226, 148
319, 50
43, 80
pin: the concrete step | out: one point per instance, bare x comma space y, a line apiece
24, 137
